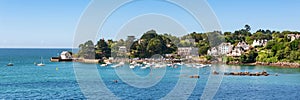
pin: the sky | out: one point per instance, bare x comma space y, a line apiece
53, 23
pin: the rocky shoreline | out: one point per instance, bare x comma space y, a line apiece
278, 64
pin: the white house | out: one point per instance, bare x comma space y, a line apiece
190, 40
259, 43
122, 49
213, 51
224, 48
243, 45
294, 36
236, 52
187, 51
65, 55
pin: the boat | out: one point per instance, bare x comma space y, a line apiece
144, 67
41, 64
118, 65
201, 65
169, 65
178, 64
103, 65
131, 66
10, 64
108, 63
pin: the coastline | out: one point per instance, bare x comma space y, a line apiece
277, 64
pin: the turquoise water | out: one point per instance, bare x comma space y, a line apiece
27, 81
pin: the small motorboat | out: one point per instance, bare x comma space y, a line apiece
10, 64
169, 65
118, 65
103, 65
131, 66
40, 64
178, 64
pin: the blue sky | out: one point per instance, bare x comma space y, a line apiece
52, 23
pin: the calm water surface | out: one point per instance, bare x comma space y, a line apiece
58, 81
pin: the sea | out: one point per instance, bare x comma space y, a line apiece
68, 80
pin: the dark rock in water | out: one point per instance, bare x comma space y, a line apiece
115, 81
195, 76
263, 73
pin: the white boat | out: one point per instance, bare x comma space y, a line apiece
131, 66
108, 63
41, 64
144, 67
118, 65
10, 64
132, 63
160, 65
169, 65
103, 65
178, 64
201, 66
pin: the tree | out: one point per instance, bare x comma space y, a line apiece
155, 46
151, 43
102, 49
87, 50
295, 44
247, 27
203, 50
252, 56
280, 54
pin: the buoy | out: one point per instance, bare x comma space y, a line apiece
56, 68
115, 81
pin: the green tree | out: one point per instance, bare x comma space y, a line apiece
247, 27
87, 50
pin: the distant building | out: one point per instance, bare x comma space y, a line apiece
236, 52
243, 45
224, 48
259, 43
187, 51
190, 40
131, 38
66, 55
213, 51
122, 49
293, 36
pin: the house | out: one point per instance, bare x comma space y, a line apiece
65, 55
131, 38
187, 51
236, 52
243, 45
190, 40
259, 43
213, 51
293, 36
224, 48
122, 49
